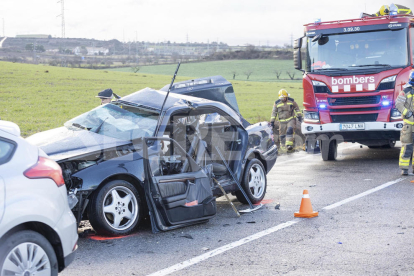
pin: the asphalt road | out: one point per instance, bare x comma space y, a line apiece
365, 227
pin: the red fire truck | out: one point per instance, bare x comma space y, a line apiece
354, 71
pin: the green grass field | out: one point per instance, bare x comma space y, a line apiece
39, 97
263, 69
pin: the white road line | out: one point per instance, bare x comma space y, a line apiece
220, 250
373, 190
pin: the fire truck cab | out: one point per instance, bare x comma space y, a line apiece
354, 70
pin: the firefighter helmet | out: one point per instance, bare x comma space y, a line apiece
384, 10
283, 94
411, 78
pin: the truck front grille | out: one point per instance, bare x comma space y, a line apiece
354, 100
356, 109
354, 118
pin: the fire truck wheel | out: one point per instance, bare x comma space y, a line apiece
329, 149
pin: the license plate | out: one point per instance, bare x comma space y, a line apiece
356, 126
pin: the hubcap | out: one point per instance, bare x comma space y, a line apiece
120, 208
257, 181
27, 259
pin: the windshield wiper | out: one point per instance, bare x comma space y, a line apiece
367, 65
325, 69
99, 127
80, 126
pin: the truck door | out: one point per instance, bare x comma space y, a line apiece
177, 194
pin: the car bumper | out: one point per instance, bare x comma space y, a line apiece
70, 258
373, 131
67, 230
335, 127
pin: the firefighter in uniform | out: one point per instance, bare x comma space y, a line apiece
405, 104
385, 10
285, 110
107, 96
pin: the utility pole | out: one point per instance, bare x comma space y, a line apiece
4, 34
136, 47
62, 2
291, 40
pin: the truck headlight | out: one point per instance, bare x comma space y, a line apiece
389, 79
320, 87
311, 116
387, 83
395, 114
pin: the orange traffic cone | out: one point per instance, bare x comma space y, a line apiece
305, 210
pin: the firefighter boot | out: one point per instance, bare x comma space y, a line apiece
404, 172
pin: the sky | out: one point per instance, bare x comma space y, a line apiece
235, 22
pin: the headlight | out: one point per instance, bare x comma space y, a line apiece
395, 114
320, 87
72, 200
318, 83
389, 79
311, 116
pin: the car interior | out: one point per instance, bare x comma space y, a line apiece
203, 136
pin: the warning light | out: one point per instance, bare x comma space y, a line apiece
322, 106
385, 103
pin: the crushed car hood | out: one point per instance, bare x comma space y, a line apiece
61, 143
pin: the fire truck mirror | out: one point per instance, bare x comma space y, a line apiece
323, 40
298, 43
316, 38
297, 59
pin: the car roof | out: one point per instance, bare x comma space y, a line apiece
153, 99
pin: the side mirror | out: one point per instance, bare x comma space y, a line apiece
297, 55
297, 59
298, 43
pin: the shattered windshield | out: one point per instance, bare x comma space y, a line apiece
358, 50
116, 121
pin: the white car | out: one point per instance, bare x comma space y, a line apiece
38, 232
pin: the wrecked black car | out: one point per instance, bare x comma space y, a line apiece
123, 160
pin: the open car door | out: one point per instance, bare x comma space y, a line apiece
178, 191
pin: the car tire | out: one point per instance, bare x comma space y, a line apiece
254, 182
115, 209
28, 245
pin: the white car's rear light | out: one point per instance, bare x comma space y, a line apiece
46, 168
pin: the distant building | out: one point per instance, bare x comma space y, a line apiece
34, 36
92, 51
96, 50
